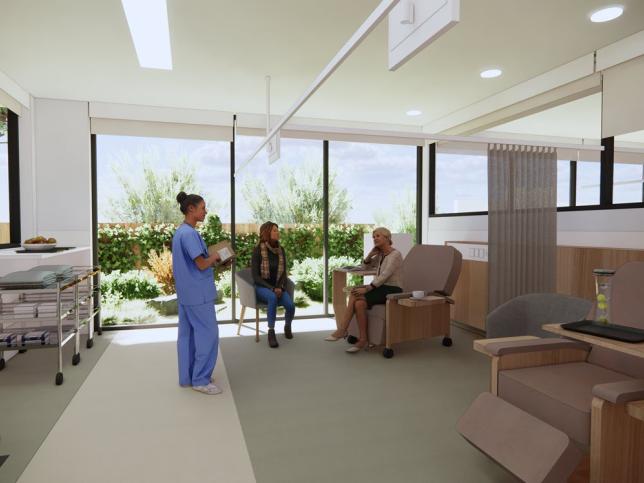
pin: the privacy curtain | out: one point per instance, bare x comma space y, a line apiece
522, 231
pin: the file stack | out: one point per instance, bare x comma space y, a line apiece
28, 279
36, 337
47, 310
24, 311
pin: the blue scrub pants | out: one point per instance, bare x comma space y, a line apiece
267, 296
197, 343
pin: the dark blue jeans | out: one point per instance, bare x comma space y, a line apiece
267, 296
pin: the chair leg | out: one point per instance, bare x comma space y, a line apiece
256, 325
241, 319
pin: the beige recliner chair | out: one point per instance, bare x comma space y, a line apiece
554, 402
431, 268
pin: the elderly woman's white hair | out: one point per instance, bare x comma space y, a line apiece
382, 231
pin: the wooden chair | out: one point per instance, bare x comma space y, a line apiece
248, 298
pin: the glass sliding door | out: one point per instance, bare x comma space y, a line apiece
138, 179
369, 185
288, 192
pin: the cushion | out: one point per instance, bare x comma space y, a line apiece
559, 394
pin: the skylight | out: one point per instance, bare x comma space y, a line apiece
148, 22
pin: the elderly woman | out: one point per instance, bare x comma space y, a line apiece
268, 265
388, 262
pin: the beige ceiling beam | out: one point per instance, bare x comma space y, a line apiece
12, 95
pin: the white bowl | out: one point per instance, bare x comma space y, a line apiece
38, 247
417, 294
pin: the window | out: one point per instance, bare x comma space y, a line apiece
138, 179
588, 182
563, 183
628, 181
288, 192
461, 182
5, 235
9, 179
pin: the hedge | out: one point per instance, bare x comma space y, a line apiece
124, 248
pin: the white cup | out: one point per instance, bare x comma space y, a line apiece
418, 294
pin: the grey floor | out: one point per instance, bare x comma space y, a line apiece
310, 412
30, 402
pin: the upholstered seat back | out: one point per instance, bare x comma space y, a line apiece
431, 268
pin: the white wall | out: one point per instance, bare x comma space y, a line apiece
55, 169
593, 228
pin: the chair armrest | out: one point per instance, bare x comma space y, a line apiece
246, 293
502, 348
620, 392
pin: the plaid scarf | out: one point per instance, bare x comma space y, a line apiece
266, 271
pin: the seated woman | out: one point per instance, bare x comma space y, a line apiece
268, 265
388, 262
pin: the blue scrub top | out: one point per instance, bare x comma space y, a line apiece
194, 286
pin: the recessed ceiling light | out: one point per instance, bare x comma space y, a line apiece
414, 112
491, 73
148, 22
606, 14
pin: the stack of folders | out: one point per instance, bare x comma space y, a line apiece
36, 337
47, 309
8, 340
24, 311
28, 279
63, 272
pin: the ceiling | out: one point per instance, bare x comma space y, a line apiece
81, 49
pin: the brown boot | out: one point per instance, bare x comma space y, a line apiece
287, 330
272, 340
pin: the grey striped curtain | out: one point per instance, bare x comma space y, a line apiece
522, 222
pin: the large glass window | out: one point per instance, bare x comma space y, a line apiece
138, 179
628, 181
5, 235
588, 182
563, 183
369, 185
288, 192
461, 182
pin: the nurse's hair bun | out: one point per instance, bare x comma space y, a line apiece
181, 197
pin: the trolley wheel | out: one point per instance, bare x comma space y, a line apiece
352, 339
447, 341
22, 351
76, 359
388, 353
90, 343
2, 364
59, 378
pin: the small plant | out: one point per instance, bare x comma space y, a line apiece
161, 267
224, 284
135, 284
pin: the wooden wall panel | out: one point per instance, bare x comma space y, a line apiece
574, 277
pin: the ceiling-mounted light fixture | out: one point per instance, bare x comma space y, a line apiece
491, 73
148, 23
414, 112
607, 14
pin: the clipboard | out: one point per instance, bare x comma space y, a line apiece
224, 249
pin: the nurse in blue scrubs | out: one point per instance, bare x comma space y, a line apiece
198, 337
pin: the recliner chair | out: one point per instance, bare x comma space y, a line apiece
552, 400
431, 268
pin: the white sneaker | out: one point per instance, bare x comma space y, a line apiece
210, 389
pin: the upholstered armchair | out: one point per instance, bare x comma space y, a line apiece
248, 299
431, 268
560, 407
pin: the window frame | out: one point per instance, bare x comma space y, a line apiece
607, 164
13, 152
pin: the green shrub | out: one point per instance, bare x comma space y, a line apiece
224, 284
134, 284
212, 230
308, 274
